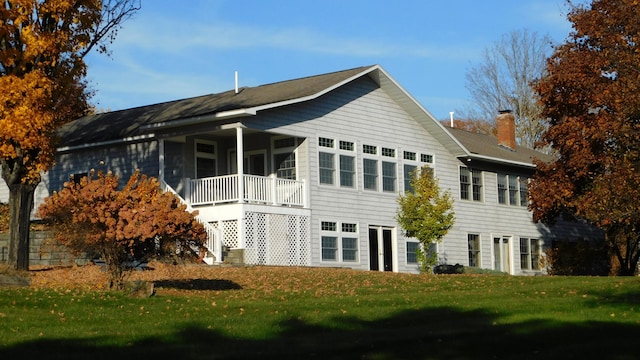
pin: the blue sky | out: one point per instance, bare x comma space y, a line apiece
174, 49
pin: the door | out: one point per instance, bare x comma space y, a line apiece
501, 253
254, 163
381, 248
373, 249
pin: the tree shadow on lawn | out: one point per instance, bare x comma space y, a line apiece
441, 333
198, 284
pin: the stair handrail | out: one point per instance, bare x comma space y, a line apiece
214, 243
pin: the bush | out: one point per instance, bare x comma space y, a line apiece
578, 258
448, 269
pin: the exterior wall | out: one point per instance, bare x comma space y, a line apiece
121, 159
363, 114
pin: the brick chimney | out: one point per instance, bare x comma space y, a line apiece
506, 124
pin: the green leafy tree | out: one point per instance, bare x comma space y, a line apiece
124, 225
426, 214
591, 97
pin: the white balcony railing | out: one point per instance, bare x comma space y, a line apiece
257, 189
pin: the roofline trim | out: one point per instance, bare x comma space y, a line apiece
316, 95
194, 120
109, 142
498, 160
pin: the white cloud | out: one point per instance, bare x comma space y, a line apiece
164, 37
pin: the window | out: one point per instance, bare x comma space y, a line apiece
327, 168
514, 197
205, 154
370, 174
426, 158
325, 142
512, 190
379, 172
76, 178
388, 176
285, 165
410, 165
369, 149
284, 157
409, 171
388, 152
329, 248
502, 188
524, 192
346, 145
470, 184
347, 171
408, 155
412, 256
349, 249
529, 254
474, 249
327, 162
339, 239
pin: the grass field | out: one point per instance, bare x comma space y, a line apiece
293, 313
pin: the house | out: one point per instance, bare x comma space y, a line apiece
307, 172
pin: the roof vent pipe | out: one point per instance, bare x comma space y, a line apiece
451, 116
236, 76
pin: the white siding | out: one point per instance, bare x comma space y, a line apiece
363, 113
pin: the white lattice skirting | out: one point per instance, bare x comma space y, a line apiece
274, 239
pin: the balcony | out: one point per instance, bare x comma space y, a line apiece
268, 190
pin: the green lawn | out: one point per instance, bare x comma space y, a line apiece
297, 313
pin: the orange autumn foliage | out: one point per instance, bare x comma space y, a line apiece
136, 223
591, 97
42, 70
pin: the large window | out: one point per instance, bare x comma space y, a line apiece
512, 190
331, 158
470, 184
473, 241
530, 254
379, 168
339, 241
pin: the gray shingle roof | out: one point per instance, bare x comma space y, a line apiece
127, 123
487, 146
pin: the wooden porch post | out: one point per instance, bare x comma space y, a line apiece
240, 167
240, 163
161, 160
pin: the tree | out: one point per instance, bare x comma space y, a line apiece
42, 48
136, 223
591, 97
425, 213
502, 81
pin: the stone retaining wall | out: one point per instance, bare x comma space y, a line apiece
41, 253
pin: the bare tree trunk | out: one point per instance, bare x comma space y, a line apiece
20, 206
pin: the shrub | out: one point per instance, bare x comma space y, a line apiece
124, 226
